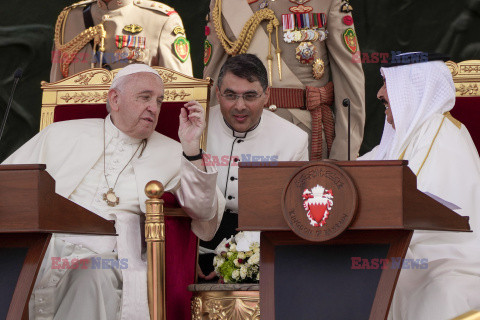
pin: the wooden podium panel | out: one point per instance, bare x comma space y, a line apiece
388, 197
318, 280
30, 204
30, 211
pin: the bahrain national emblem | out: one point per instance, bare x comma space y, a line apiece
317, 202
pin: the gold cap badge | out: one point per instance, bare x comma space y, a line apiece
133, 28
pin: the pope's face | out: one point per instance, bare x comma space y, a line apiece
135, 105
382, 95
241, 101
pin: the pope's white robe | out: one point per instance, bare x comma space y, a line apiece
71, 150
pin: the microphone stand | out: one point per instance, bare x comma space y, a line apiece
16, 77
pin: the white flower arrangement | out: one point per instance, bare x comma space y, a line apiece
238, 258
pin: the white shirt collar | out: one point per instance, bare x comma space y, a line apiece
111, 131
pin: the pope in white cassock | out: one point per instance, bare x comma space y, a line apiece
440, 151
97, 163
239, 129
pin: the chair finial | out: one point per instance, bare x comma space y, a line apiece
154, 189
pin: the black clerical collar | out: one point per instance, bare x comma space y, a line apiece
243, 135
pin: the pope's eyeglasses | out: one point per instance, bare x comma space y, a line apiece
247, 97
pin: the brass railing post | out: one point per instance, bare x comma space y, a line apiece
155, 238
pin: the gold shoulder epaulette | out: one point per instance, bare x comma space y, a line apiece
154, 5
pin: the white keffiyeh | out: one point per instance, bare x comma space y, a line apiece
416, 92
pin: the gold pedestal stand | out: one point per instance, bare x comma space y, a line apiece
225, 301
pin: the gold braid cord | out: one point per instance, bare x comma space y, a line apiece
241, 45
70, 49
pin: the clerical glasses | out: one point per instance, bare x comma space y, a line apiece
247, 97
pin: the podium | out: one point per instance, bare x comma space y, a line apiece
30, 211
351, 275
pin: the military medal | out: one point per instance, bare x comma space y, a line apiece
318, 68
264, 4
132, 28
130, 48
207, 53
304, 27
305, 52
181, 47
111, 198
350, 40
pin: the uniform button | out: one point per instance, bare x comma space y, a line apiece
230, 197
239, 141
236, 159
232, 178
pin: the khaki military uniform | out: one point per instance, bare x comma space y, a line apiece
139, 31
340, 65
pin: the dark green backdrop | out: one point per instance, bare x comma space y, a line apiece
26, 33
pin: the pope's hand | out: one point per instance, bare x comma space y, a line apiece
192, 124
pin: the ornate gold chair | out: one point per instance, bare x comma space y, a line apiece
466, 76
168, 233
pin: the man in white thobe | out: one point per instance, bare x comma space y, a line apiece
440, 151
240, 130
104, 165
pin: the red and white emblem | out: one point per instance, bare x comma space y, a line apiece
318, 202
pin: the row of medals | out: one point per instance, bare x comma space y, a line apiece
306, 52
130, 47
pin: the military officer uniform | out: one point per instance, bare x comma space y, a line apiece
97, 33
311, 53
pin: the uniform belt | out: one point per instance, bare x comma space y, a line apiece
318, 102
287, 98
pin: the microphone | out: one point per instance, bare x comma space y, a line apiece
16, 77
346, 104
